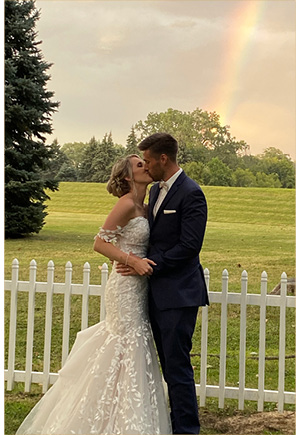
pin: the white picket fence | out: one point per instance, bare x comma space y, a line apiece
220, 391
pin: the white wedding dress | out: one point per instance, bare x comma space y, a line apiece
111, 382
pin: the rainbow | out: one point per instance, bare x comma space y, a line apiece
237, 45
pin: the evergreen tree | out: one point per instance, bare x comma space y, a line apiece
67, 172
86, 166
57, 160
132, 143
28, 111
98, 160
103, 160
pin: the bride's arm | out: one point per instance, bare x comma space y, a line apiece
119, 217
140, 265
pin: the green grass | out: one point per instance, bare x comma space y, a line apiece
251, 229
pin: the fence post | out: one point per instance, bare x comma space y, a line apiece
13, 325
104, 277
67, 309
85, 296
204, 328
48, 325
262, 342
30, 325
243, 325
282, 326
223, 345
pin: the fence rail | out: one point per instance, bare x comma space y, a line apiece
224, 298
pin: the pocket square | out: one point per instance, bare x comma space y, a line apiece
169, 211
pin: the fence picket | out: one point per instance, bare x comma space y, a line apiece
67, 311
12, 325
223, 344
243, 325
282, 326
262, 343
85, 296
204, 340
104, 278
30, 325
48, 325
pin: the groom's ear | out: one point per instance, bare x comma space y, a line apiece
163, 158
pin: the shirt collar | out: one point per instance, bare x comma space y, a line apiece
174, 177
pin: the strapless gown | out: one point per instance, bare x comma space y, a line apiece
111, 382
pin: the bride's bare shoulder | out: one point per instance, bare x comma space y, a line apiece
122, 212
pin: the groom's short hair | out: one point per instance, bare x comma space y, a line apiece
160, 143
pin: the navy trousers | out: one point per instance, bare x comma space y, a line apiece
173, 330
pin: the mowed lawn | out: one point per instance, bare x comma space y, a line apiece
251, 229
247, 229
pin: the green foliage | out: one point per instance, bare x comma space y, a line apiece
207, 152
273, 161
195, 170
193, 130
75, 152
98, 159
56, 161
132, 143
67, 172
202, 138
267, 180
244, 178
216, 173
103, 160
28, 110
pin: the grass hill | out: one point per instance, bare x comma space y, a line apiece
248, 228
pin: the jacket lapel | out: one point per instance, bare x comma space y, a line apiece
154, 192
169, 195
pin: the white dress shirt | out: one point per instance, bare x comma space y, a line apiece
164, 190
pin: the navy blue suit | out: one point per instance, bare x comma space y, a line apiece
176, 290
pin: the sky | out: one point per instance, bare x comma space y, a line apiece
114, 62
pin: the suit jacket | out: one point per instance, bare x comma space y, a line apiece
176, 237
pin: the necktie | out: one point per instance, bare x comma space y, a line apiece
163, 185
162, 193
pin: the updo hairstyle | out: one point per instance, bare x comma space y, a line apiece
117, 184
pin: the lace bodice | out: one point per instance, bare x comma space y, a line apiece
123, 293
132, 237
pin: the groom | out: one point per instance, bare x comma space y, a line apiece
177, 218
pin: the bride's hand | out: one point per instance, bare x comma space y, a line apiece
136, 266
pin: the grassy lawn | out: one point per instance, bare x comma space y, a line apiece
251, 229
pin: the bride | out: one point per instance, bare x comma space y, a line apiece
111, 382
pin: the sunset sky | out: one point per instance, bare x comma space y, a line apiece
114, 62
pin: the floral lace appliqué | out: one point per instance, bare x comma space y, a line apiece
109, 235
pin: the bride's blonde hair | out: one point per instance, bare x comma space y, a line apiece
117, 184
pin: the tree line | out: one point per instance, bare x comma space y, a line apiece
207, 152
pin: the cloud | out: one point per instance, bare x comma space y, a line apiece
264, 125
116, 61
